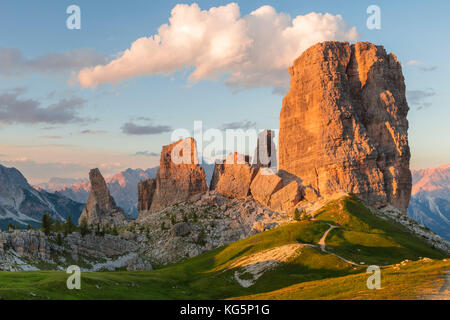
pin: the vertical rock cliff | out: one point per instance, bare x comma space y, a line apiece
343, 124
179, 177
101, 209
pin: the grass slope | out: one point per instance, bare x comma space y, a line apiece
361, 237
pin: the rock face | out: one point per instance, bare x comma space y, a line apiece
266, 152
343, 124
101, 208
146, 190
21, 250
179, 177
234, 177
28, 244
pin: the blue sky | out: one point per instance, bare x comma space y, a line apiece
415, 31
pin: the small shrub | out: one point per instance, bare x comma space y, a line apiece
201, 237
300, 215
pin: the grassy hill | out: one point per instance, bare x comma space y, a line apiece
286, 262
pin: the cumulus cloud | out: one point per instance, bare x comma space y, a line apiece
420, 98
131, 128
245, 125
245, 51
14, 109
13, 62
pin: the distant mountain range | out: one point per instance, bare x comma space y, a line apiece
122, 186
430, 199
21, 204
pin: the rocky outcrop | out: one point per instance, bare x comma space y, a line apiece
101, 208
343, 124
181, 229
24, 250
286, 198
234, 176
179, 177
264, 186
266, 152
146, 190
190, 228
27, 244
218, 171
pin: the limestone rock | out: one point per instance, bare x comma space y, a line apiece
264, 185
309, 194
286, 198
343, 125
179, 175
181, 229
29, 244
265, 153
235, 176
146, 190
218, 171
101, 208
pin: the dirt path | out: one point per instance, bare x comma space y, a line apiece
254, 266
324, 237
322, 244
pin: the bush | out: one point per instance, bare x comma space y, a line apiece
300, 215
201, 237
173, 220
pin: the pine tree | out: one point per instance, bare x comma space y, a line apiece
46, 223
59, 239
84, 228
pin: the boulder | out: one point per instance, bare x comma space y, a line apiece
236, 176
181, 229
343, 123
265, 185
286, 198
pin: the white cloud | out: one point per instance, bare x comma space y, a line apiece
246, 51
422, 66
